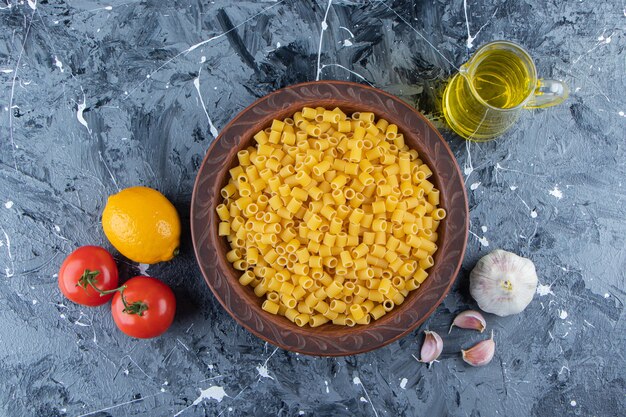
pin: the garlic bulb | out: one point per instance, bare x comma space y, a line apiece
503, 283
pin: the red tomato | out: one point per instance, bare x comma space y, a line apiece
87, 266
150, 307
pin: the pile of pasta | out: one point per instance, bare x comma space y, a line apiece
330, 217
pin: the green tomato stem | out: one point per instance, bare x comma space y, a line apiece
89, 279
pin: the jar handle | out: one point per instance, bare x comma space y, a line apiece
547, 94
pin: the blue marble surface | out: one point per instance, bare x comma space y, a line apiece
101, 95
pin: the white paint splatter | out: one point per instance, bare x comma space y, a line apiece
108, 170
263, 371
327, 389
350, 71
533, 213
347, 42
563, 314
32, 4
8, 204
202, 59
212, 129
357, 381
108, 8
79, 114
277, 45
120, 405
556, 193
470, 39
621, 113
35, 302
347, 30
403, 383
143, 269
211, 366
13, 83
57, 228
419, 34
589, 324
475, 185
543, 290
513, 187
607, 295
319, 50
573, 403
58, 64
363, 400
482, 240
183, 345
483, 228
8, 271
467, 170
214, 392
204, 42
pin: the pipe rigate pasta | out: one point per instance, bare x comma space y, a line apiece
330, 218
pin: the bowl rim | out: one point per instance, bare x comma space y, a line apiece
344, 352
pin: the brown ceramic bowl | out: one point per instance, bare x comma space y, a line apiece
240, 301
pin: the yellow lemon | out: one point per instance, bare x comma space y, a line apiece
142, 225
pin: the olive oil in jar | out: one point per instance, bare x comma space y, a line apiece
482, 100
502, 80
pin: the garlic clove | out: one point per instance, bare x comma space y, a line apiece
469, 319
432, 347
481, 353
503, 283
